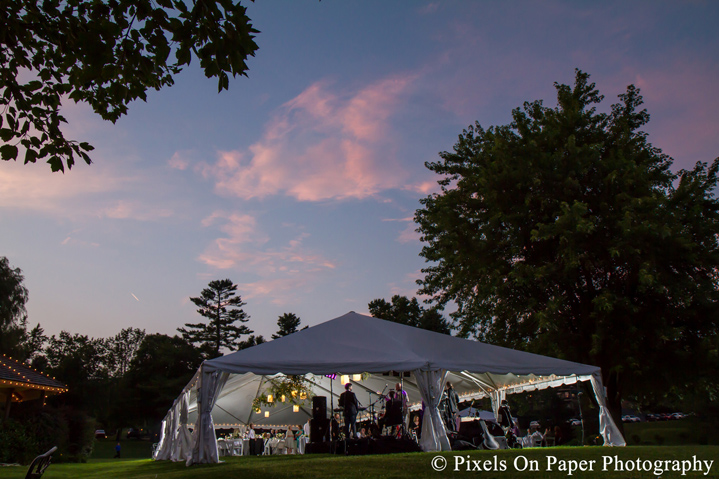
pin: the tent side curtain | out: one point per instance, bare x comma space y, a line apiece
204, 442
434, 435
607, 427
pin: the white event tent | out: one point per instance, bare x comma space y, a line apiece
221, 392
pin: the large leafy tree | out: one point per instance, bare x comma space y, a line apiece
105, 54
121, 349
160, 368
222, 307
408, 311
287, 324
566, 233
15, 340
13, 315
80, 362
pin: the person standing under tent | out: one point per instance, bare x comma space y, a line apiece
335, 427
415, 429
290, 444
450, 407
348, 402
401, 395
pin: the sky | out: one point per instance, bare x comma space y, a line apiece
300, 183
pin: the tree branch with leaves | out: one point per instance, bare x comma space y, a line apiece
105, 54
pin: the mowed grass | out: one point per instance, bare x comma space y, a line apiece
670, 433
130, 449
411, 465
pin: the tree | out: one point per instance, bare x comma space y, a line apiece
81, 363
251, 341
15, 340
288, 324
13, 315
402, 310
105, 54
161, 367
566, 233
121, 349
223, 309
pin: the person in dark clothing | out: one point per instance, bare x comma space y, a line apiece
416, 428
450, 407
348, 402
118, 448
505, 415
335, 427
393, 411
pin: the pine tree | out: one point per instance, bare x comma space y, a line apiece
288, 324
220, 305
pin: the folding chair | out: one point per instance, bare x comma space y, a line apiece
237, 447
39, 464
268, 450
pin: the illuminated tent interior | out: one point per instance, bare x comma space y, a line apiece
221, 393
20, 382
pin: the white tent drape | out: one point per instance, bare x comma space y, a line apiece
497, 397
434, 435
169, 428
204, 442
607, 427
182, 446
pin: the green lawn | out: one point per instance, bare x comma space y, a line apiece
130, 449
414, 465
670, 433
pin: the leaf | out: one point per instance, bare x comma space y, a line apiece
9, 152
30, 156
56, 164
6, 134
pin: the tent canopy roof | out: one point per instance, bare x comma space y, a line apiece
355, 343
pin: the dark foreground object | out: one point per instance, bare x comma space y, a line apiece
39, 464
360, 447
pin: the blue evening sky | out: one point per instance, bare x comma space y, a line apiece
300, 183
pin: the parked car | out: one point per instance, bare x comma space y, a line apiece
100, 434
678, 415
574, 422
630, 418
652, 417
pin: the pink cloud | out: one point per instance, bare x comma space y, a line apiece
320, 145
135, 210
282, 272
282, 291
424, 187
178, 161
408, 287
245, 248
34, 187
429, 8
408, 234
683, 101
